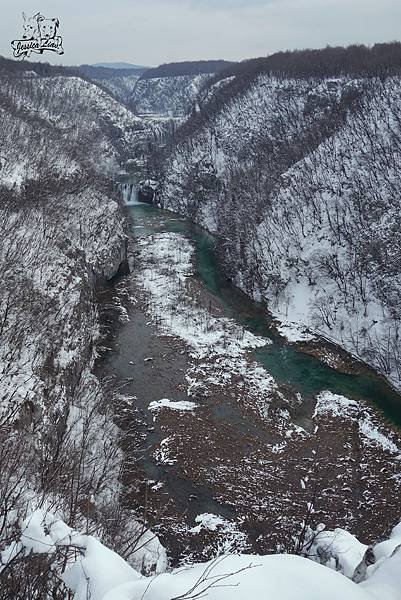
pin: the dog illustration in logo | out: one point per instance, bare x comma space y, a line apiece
48, 28
31, 26
40, 35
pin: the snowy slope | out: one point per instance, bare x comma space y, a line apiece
121, 87
62, 235
298, 178
65, 123
166, 95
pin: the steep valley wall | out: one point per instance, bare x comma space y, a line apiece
299, 180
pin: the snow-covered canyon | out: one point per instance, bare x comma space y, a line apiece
297, 177
272, 438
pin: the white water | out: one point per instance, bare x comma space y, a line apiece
130, 194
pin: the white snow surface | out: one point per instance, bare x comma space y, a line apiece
337, 549
165, 403
94, 571
294, 332
102, 575
164, 453
43, 532
208, 521
386, 548
230, 540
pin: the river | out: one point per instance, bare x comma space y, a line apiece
178, 495
284, 361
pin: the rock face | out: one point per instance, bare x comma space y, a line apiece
60, 218
122, 87
170, 89
166, 96
299, 180
117, 264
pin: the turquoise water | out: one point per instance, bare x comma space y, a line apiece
305, 374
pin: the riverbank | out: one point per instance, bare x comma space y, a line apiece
232, 440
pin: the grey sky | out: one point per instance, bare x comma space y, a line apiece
154, 31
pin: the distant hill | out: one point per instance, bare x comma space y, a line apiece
99, 72
119, 65
10, 68
198, 67
356, 60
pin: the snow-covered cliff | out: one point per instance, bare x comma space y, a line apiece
121, 87
298, 179
62, 235
63, 125
168, 96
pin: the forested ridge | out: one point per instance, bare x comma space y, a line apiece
293, 164
380, 60
186, 68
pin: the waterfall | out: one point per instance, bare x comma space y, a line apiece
129, 187
129, 193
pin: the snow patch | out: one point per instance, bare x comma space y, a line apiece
181, 405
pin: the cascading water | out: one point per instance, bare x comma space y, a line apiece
129, 192
130, 188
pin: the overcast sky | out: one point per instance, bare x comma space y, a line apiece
150, 32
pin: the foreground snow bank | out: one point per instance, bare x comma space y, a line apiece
243, 577
91, 570
338, 550
102, 575
84, 564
